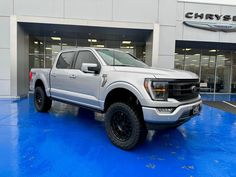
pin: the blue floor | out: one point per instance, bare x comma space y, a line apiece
219, 97
67, 143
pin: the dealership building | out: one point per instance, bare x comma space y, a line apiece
196, 37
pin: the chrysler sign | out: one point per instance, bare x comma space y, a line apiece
212, 25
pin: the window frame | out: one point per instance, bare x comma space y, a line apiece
85, 50
71, 65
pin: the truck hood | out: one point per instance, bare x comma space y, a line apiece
159, 72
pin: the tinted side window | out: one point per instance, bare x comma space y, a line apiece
65, 60
85, 57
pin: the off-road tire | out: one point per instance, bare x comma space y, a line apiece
136, 132
42, 102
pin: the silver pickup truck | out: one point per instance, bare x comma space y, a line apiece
133, 96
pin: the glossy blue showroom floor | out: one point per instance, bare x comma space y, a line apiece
68, 142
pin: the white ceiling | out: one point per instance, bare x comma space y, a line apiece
225, 2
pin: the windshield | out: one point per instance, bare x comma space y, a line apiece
119, 58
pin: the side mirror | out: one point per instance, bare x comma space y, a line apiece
90, 68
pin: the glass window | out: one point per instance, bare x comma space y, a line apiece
65, 60
68, 43
208, 70
118, 58
179, 58
49, 59
36, 61
52, 46
85, 57
233, 86
36, 45
192, 60
223, 66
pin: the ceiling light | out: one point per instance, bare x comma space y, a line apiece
126, 42
188, 49
41, 43
205, 58
56, 38
220, 55
36, 42
100, 46
92, 40
194, 60
55, 52
213, 50
64, 44
124, 47
48, 48
131, 47
197, 54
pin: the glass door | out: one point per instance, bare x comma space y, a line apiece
223, 68
233, 83
208, 62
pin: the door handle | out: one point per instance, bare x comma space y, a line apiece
72, 76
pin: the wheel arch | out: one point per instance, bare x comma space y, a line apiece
123, 94
40, 82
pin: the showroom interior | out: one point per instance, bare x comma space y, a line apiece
189, 35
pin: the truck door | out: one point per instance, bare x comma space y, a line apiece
86, 86
60, 76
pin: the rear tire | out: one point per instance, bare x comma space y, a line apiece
124, 126
42, 102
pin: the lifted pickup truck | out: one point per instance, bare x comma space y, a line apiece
133, 96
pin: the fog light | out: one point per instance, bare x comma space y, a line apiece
165, 110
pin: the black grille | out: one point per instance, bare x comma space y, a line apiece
182, 90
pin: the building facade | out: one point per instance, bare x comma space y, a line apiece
163, 33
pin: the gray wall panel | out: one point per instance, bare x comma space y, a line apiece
5, 87
167, 40
48, 8
166, 61
4, 63
167, 12
89, 9
228, 37
22, 62
179, 30
135, 11
6, 7
180, 11
4, 32
195, 34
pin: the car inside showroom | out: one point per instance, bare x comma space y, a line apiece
117, 88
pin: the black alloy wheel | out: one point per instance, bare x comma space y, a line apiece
124, 126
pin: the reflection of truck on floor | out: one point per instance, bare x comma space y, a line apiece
133, 96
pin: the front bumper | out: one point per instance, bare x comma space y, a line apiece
181, 113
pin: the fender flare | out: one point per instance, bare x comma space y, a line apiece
45, 83
122, 85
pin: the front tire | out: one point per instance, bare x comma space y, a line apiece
42, 102
124, 126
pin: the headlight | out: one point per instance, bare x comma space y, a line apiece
157, 90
